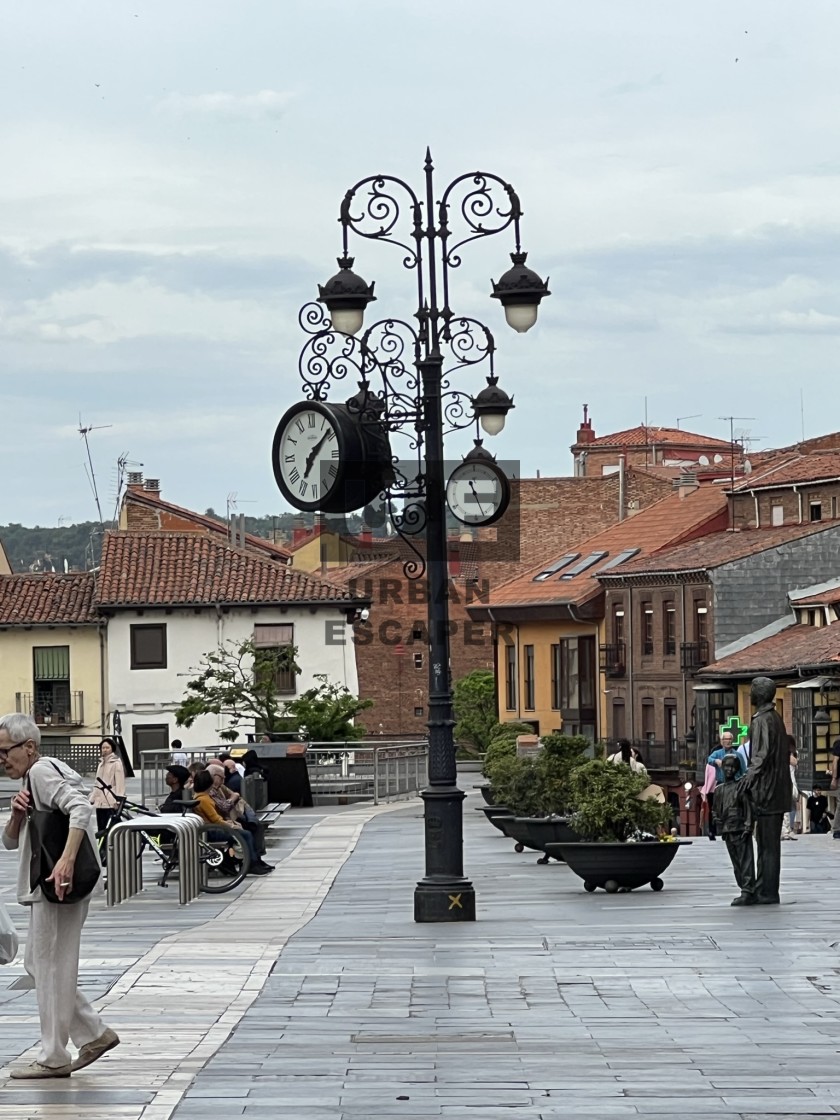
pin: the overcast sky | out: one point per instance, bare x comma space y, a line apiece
171, 180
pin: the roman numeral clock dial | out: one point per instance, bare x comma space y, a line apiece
322, 461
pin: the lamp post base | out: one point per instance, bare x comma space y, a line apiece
444, 900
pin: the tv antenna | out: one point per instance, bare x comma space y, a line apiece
693, 416
84, 432
732, 420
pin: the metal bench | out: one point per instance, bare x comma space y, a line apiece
125, 864
270, 813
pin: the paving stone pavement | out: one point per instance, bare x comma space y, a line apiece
554, 1004
313, 995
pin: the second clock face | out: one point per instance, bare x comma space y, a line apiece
309, 456
477, 492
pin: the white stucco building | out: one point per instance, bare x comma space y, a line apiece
172, 597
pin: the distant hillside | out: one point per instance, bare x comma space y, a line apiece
51, 548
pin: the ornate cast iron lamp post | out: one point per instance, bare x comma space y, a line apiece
411, 397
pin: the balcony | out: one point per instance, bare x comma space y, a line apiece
67, 711
613, 660
693, 656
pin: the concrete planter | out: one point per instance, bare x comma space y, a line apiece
494, 813
537, 833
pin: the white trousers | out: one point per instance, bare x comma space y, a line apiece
52, 960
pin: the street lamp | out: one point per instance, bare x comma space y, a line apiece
413, 367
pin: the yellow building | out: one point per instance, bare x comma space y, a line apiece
52, 657
320, 548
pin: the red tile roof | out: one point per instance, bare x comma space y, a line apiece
48, 599
819, 598
153, 500
183, 569
818, 466
669, 520
721, 548
647, 436
786, 652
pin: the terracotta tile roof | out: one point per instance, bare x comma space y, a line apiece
721, 548
671, 519
647, 435
818, 466
153, 500
180, 569
794, 648
38, 600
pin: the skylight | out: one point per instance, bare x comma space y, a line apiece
582, 565
619, 558
553, 568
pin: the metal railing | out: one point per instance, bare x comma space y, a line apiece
66, 709
125, 864
82, 753
343, 773
613, 660
693, 656
153, 766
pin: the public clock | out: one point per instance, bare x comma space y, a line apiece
324, 459
478, 491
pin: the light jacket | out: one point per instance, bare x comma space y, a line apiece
110, 770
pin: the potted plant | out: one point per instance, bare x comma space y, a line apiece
537, 789
624, 838
501, 744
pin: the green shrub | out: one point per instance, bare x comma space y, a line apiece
607, 806
503, 742
539, 784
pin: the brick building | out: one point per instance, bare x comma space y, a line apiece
793, 488
649, 446
391, 647
668, 616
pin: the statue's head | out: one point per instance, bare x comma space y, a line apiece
762, 691
730, 765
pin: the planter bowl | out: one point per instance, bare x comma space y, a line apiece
618, 867
537, 833
485, 790
494, 813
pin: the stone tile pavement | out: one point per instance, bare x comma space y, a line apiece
313, 994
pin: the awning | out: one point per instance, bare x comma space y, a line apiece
815, 683
721, 686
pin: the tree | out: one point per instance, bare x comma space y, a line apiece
474, 703
238, 681
326, 712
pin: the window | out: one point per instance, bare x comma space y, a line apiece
619, 558
51, 672
418, 712
816, 511
671, 724
701, 628
149, 737
582, 565
618, 626
418, 661
647, 628
777, 514
833, 507
669, 629
418, 634
148, 646
577, 674
274, 644
553, 568
510, 677
619, 724
529, 678
648, 721
555, 677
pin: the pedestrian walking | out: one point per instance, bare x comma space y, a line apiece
55, 929
788, 832
110, 773
626, 756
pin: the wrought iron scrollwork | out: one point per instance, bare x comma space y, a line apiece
379, 214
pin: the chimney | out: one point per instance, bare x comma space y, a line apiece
622, 488
135, 480
152, 485
585, 434
366, 534
299, 531
686, 483
453, 556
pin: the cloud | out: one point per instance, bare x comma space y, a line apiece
788, 322
268, 104
635, 87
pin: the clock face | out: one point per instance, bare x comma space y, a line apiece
477, 492
308, 457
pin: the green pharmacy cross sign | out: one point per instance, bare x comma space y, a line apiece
739, 731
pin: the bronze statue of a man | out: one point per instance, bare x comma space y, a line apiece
767, 785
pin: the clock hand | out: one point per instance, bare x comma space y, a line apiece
310, 458
477, 502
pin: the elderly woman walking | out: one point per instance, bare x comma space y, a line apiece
53, 940
109, 783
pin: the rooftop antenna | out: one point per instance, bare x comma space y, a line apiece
84, 432
732, 420
693, 416
802, 411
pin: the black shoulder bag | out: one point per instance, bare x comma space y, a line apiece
48, 830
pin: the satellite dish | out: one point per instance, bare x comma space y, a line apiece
703, 460
747, 466
718, 458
